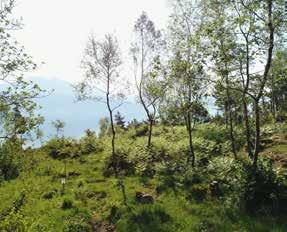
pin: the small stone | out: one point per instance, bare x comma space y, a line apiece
144, 198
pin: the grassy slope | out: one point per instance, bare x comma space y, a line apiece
171, 211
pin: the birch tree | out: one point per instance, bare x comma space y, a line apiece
102, 82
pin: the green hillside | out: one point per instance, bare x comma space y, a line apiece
92, 200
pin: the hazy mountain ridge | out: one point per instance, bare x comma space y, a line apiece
78, 116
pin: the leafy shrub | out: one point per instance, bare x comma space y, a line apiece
10, 160
162, 154
281, 116
242, 187
141, 130
114, 214
169, 178
67, 204
84, 195
270, 129
206, 147
198, 192
265, 191
213, 132
215, 139
19, 201
38, 227
63, 148
205, 225
121, 162
13, 222
90, 143
192, 177
145, 160
49, 195
231, 177
76, 225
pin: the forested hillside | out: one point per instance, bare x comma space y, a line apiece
181, 168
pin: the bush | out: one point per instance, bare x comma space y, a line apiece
76, 225
141, 130
215, 139
206, 147
265, 191
13, 222
67, 204
49, 195
38, 227
198, 192
90, 143
213, 132
231, 176
192, 177
10, 160
122, 163
145, 160
62, 148
160, 155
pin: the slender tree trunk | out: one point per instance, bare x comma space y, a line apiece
191, 158
150, 119
247, 128
257, 132
226, 115
273, 100
264, 80
114, 163
231, 133
123, 190
113, 140
231, 129
150, 131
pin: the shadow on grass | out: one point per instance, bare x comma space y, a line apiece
147, 218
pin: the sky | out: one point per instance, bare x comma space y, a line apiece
55, 31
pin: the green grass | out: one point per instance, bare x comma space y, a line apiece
93, 196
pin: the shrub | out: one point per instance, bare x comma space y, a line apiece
114, 214
265, 191
141, 130
231, 177
213, 132
192, 177
150, 160
62, 148
123, 164
67, 204
13, 222
38, 227
198, 192
49, 195
90, 143
76, 225
205, 225
206, 147
215, 138
10, 160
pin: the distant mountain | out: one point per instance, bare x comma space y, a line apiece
78, 116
